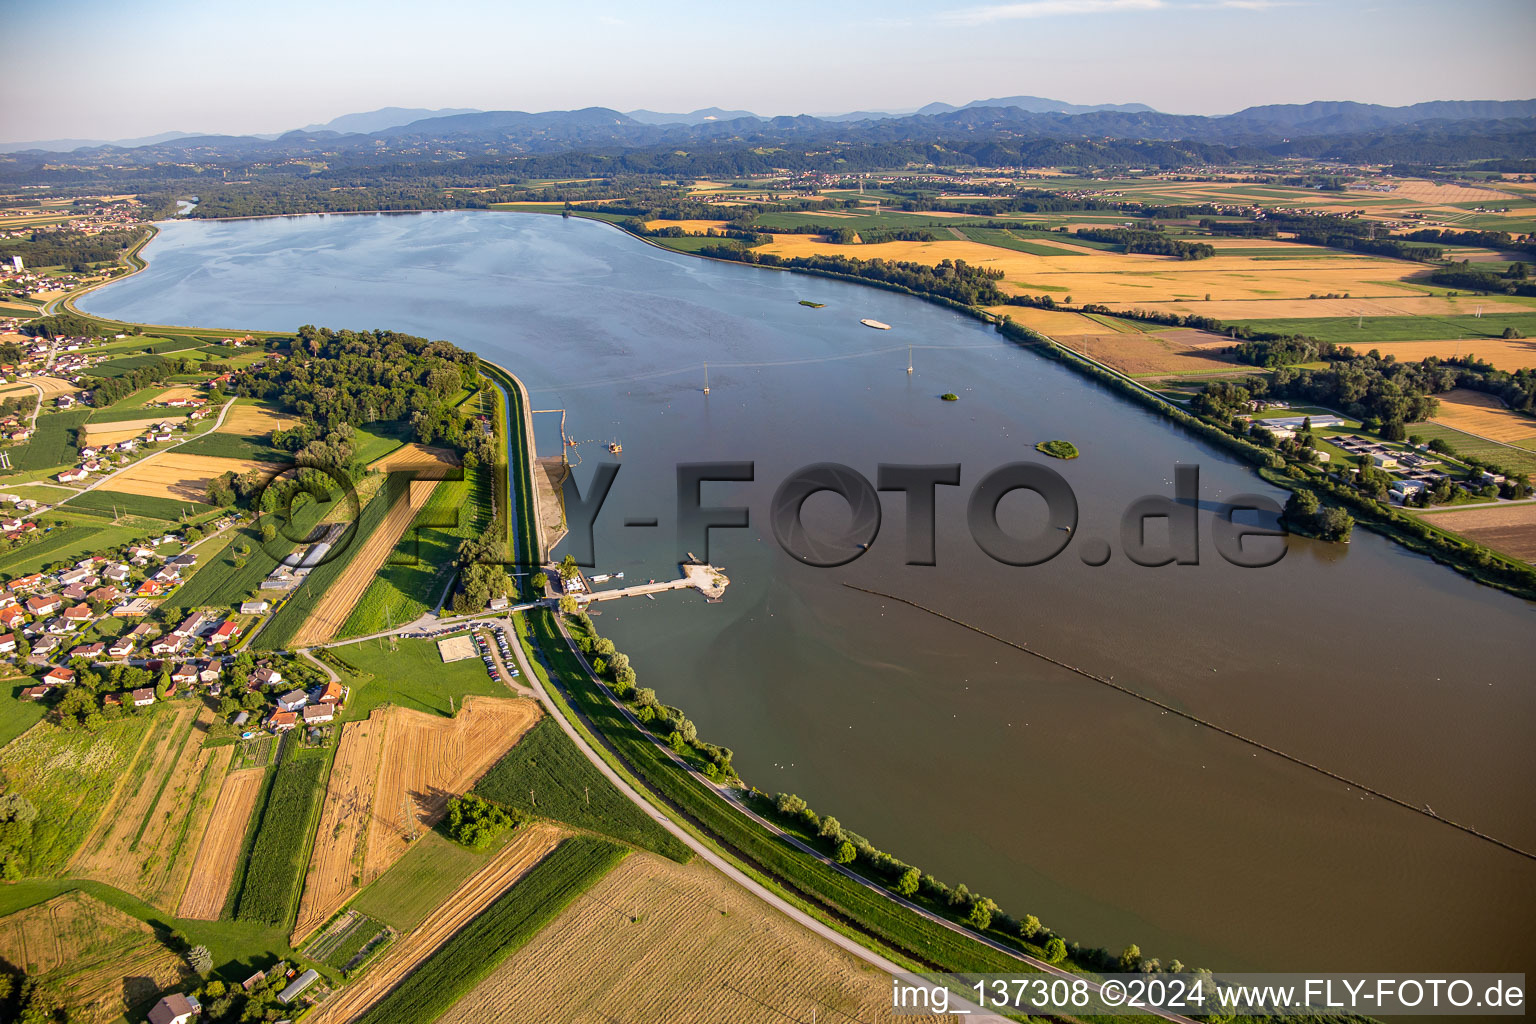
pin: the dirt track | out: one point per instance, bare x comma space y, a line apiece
525, 850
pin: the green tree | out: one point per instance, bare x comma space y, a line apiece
1055, 951
846, 852
831, 828
1130, 959
980, 916
907, 884
199, 959
1030, 926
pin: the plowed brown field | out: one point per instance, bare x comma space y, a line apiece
335, 865
427, 760
525, 850
658, 941
217, 856
1510, 529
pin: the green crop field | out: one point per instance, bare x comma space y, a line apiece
1518, 459
1009, 240
269, 888
73, 538
70, 775
138, 504
53, 444
17, 715
501, 929
410, 582
412, 675
422, 879
220, 581
235, 446
1359, 333
566, 787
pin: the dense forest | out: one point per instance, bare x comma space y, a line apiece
73, 250
1155, 243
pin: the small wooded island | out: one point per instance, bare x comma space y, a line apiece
1058, 449
950, 396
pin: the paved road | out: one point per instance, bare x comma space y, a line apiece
713, 859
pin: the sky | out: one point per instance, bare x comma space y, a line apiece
114, 70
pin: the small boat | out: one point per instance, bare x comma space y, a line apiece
615, 447
601, 577
876, 324
618, 575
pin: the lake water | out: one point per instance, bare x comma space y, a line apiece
1112, 821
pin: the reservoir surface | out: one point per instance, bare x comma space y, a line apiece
1112, 821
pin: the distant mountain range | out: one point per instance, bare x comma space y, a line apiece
451, 133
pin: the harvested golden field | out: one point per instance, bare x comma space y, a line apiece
218, 855
182, 392
658, 941
1504, 353
336, 604
427, 760
1124, 279
1361, 303
1510, 529
335, 865
1050, 322
254, 420
527, 848
51, 387
427, 462
100, 960
692, 226
171, 474
145, 839
121, 430
1163, 352
1484, 415
1420, 191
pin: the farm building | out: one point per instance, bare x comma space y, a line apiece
253, 607
300, 983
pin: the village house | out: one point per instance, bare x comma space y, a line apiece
190, 625
282, 721
169, 644
70, 476
78, 615
208, 672
266, 675
175, 1008
143, 697
10, 616
227, 631
116, 572
330, 693
121, 647
7, 643
103, 595
131, 608
185, 674
58, 676
293, 700
43, 604
317, 713
150, 588
74, 592
87, 650
21, 583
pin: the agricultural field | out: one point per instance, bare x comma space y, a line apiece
54, 444
269, 887
1181, 350
335, 865
425, 761
144, 841
71, 775
426, 462
1521, 460
1510, 529
348, 942
218, 855
663, 941
17, 715
566, 787
461, 917
1483, 415
222, 580
124, 503
410, 674
249, 417
99, 960
416, 573
427, 875
329, 608
183, 476
236, 447
1480, 334
100, 432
